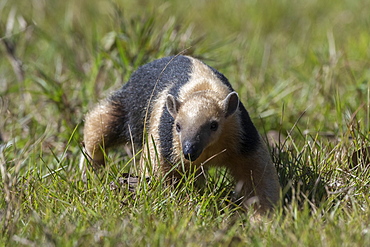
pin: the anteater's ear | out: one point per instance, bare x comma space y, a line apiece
231, 103
172, 105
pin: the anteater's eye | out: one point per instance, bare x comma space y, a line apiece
214, 126
178, 127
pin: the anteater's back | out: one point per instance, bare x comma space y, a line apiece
143, 87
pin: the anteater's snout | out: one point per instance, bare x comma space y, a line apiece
191, 150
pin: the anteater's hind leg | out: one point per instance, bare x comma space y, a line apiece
104, 127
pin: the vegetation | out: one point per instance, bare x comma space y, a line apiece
302, 69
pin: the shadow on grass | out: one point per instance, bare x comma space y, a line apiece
298, 180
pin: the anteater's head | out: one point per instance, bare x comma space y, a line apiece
199, 119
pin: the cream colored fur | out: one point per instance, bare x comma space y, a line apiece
96, 130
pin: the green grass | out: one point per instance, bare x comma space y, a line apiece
302, 69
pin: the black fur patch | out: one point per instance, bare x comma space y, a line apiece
131, 101
250, 139
179, 74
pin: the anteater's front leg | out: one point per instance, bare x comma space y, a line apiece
257, 183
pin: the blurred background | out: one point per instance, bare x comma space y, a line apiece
288, 60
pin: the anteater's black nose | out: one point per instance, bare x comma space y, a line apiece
191, 150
